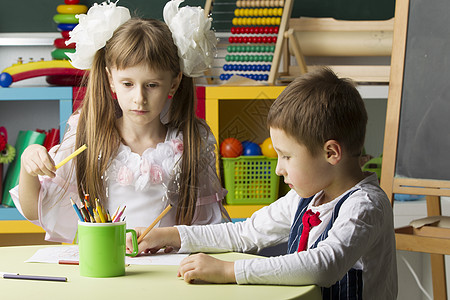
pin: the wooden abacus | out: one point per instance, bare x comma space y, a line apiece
257, 31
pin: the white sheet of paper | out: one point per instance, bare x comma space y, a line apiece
55, 254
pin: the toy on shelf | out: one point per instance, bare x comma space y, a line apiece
21, 71
7, 152
267, 148
66, 21
231, 147
249, 177
251, 149
253, 33
24, 139
57, 71
253, 38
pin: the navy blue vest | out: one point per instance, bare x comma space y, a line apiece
350, 286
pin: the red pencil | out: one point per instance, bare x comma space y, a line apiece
68, 262
117, 218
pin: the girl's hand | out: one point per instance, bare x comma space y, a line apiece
36, 161
156, 239
206, 268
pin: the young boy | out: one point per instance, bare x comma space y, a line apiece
336, 219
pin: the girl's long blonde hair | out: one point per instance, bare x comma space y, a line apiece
138, 41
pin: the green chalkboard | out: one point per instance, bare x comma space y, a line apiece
37, 15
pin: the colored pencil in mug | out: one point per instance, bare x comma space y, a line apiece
117, 218
77, 210
100, 211
65, 160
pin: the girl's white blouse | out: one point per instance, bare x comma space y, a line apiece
132, 180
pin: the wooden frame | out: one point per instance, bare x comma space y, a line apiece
429, 239
330, 37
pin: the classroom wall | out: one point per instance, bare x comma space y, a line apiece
37, 16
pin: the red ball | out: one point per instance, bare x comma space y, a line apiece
231, 147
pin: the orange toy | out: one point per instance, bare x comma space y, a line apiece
231, 147
267, 148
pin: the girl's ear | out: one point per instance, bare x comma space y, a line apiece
111, 84
175, 83
333, 151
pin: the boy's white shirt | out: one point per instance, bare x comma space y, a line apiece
362, 237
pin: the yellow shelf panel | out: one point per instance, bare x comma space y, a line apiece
21, 226
242, 211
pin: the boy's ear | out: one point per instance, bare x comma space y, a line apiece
333, 151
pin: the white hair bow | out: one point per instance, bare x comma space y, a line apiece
93, 31
191, 32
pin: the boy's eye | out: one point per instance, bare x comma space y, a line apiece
286, 157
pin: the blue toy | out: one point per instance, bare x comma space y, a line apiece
251, 148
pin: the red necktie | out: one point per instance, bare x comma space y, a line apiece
309, 220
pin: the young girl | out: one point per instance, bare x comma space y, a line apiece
146, 148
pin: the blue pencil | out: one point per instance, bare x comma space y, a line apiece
77, 210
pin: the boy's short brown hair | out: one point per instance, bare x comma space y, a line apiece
319, 106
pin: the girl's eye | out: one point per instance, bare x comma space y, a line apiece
127, 84
286, 157
152, 85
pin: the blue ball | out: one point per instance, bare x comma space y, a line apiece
251, 148
5, 79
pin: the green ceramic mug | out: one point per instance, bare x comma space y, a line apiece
102, 248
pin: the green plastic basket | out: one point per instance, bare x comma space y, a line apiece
250, 179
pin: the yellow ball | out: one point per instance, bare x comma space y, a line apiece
235, 21
267, 148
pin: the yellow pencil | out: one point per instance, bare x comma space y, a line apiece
99, 211
96, 217
164, 212
78, 151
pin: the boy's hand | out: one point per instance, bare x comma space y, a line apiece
156, 239
35, 160
206, 268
